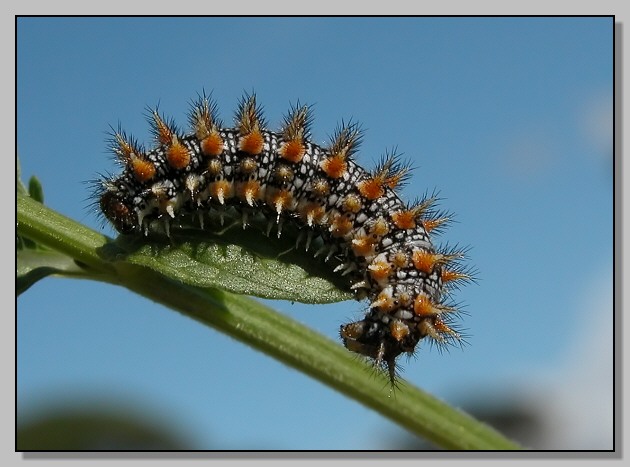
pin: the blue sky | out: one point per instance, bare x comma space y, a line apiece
509, 118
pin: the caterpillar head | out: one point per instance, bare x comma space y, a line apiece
118, 211
381, 341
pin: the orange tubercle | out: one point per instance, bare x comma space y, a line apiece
214, 167
340, 226
334, 166
249, 191
380, 227
400, 259
283, 174
312, 213
292, 151
404, 220
143, 170
385, 302
371, 188
351, 203
424, 261
280, 200
248, 165
212, 145
363, 245
320, 187
221, 190
398, 330
379, 270
252, 143
177, 155
422, 306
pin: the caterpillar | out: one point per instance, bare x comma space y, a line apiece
381, 243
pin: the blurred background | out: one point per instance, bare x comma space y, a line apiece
509, 118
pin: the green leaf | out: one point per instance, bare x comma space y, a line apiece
35, 189
240, 261
35, 264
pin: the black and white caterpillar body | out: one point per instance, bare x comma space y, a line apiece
382, 244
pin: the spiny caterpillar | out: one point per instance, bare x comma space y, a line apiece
379, 242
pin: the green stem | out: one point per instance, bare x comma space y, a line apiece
59, 233
268, 331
